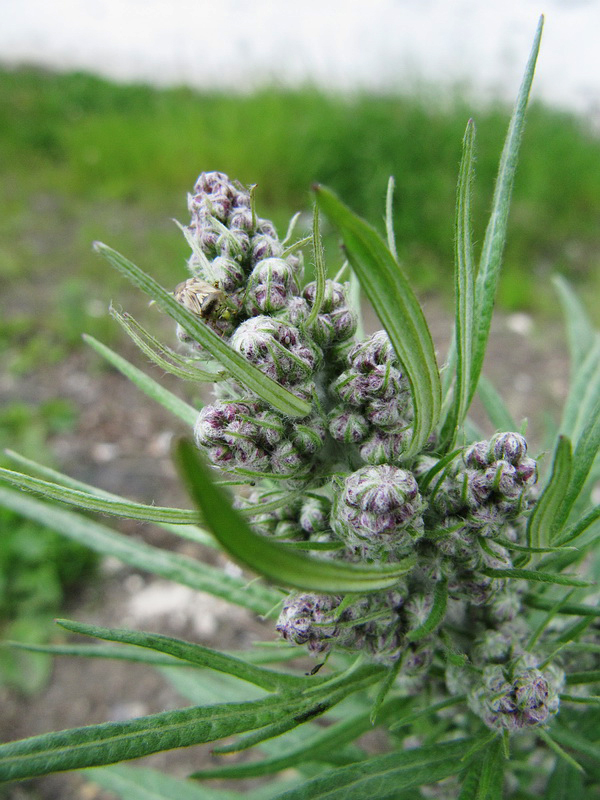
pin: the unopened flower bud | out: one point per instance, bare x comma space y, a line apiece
347, 425
278, 350
517, 696
309, 619
378, 511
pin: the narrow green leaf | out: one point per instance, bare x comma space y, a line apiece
436, 615
271, 559
495, 235
317, 748
196, 654
584, 700
269, 390
494, 406
139, 783
492, 772
383, 777
161, 355
583, 393
564, 783
390, 294
574, 609
577, 678
144, 382
534, 575
574, 741
320, 270
161, 562
122, 653
547, 619
91, 502
580, 331
584, 456
407, 719
108, 743
580, 527
464, 293
543, 524
389, 217
556, 748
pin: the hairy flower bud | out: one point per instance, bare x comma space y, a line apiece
309, 619
378, 512
517, 696
336, 321
347, 425
269, 287
278, 350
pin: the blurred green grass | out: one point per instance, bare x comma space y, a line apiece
85, 159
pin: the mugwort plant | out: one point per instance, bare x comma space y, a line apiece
443, 582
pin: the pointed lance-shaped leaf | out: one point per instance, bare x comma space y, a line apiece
394, 302
275, 561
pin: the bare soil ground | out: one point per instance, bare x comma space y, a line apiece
122, 443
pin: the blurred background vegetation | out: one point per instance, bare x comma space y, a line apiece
84, 159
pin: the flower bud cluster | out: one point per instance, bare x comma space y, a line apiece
250, 436
237, 253
374, 407
376, 624
487, 485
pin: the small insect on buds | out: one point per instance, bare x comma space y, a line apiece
201, 298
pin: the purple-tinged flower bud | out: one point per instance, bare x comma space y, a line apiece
335, 321
373, 352
278, 350
241, 219
309, 619
286, 459
314, 514
234, 244
510, 447
270, 285
288, 529
295, 312
507, 604
266, 227
378, 512
390, 414
347, 425
308, 438
225, 273
386, 448
263, 246
518, 696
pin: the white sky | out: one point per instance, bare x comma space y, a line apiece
336, 43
